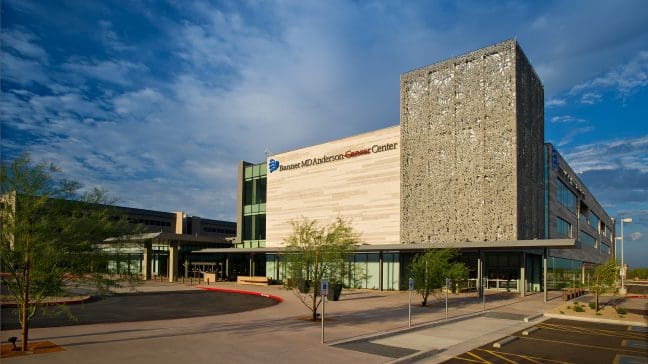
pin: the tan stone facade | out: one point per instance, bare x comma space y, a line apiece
472, 139
356, 178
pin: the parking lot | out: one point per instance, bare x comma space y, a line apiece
567, 341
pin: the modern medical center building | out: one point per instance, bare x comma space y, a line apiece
466, 168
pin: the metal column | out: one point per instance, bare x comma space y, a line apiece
380, 270
480, 273
523, 280
544, 274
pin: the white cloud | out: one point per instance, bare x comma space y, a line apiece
591, 98
636, 236
610, 155
624, 79
116, 71
569, 136
555, 102
539, 23
24, 43
111, 39
138, 102
22, 70
567, 119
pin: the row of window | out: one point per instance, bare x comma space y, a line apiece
219, 230
564, 229
568, 199
587, 239
148, 222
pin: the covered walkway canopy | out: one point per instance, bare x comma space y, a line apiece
166, 238
480, 246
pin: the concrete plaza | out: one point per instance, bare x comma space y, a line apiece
280, 333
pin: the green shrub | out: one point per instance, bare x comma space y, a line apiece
621, 311
562, 312
569, 307
579, 309
640, 273
592, 305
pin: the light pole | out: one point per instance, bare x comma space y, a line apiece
622, 290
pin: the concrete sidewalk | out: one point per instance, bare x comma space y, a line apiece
281, 334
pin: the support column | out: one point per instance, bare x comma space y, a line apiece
227, 266
523, 280
583, 273
146, 261
380, 270
251, 266
480, 274
544, 274
172, 267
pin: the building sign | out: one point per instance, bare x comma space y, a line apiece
554, 158
275, 165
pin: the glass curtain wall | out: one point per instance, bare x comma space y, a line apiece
254, 206
564, 273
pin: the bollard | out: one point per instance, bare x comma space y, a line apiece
208, 281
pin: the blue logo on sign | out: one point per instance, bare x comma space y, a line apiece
273, 165
554, 158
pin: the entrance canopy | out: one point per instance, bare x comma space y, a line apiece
485, 245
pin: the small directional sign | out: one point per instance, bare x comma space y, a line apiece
411, 284
324, 286
448, 282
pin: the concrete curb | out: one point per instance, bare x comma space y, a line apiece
529, 331
533, 317
53, 303
597, 320
237, 291
402, 330
505, 341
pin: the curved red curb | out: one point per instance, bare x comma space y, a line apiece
55, 303
637, 296
226, 290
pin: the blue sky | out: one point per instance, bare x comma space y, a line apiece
157, 101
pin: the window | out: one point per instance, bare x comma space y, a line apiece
248, 192
594, 221
261, 190
566, 197
259, 227
587, 239
563, 228
605, 248
247, 227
